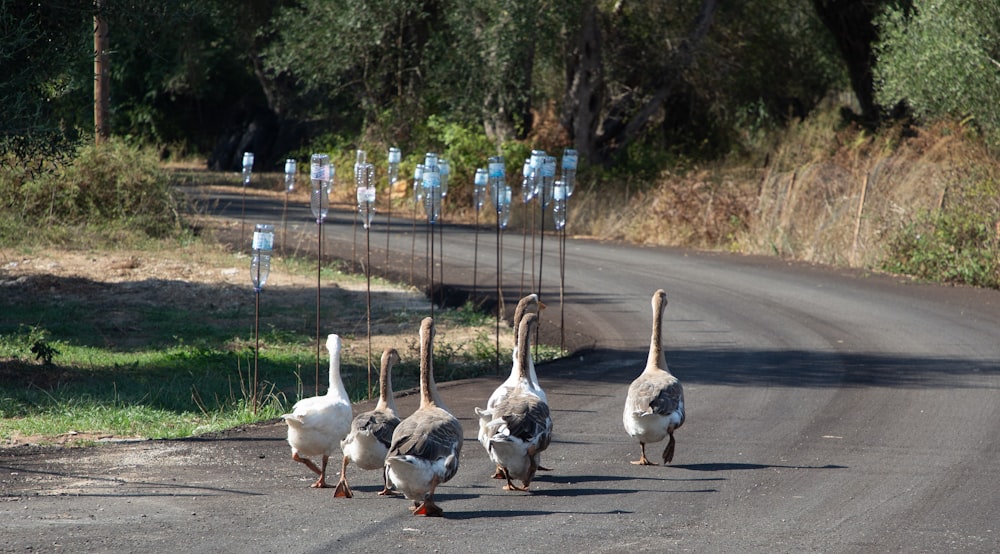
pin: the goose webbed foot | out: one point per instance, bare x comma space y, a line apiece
668, 452
643, 460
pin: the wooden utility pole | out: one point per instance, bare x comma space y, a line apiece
102, 75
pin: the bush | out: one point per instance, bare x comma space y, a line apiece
960, 243
112, 185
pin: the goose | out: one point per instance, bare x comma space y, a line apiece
368, 441
520, 425
654, 407
528, 304
426, 446
318, 424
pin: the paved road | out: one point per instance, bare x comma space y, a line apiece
828, 410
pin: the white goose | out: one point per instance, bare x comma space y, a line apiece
426, 446
318, 424
371, 432
654, 407
520, 427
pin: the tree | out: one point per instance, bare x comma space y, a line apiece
943, 60
637, 95
852, 24
44, 45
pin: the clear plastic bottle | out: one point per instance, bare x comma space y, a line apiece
364, 175
479, 188
503, 214
559, 204
548, 179
395, 157
418, 184
260, 261
569, 160
527, 182
247, 167
289, 174
432, 192
445, 169
497, 180
320, 175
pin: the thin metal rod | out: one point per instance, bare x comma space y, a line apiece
524, 248
319, 266
562, 289
475, 259
256, 350
368, 298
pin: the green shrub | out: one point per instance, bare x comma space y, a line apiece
959, 243
111, 186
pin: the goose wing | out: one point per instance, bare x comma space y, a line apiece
378, 423
526, 417
658, 394
429, 434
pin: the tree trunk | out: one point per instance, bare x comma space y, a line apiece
600, 131
102, 76
851, 22
584, 87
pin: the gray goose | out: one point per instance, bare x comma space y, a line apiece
371, 432
654, 407
426, 446
520, 424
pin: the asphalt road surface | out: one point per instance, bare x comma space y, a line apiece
827, 411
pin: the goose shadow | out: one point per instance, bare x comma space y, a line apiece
467, 515
732, 466
202, 490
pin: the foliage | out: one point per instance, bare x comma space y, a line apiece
113, 184
40, 104
959, 243
943, 60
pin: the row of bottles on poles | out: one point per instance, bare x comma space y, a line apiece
538, 181
430, 183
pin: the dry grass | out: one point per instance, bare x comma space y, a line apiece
826, 196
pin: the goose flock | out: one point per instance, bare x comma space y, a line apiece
419, 453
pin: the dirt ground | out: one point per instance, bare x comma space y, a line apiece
120, 284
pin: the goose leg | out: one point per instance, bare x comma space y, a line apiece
321, 482
510, 486
386, 489
643, 460
428, 507
343, 489
668, 452
499, 473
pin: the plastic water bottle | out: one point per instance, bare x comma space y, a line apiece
548, 179
320, 175
247, 167
289, 174
418, 184
497, 181
260, 261
569, 170
536, 160
527, 182
395, 157
432, 188
445, 168
479, 188
364, 175
503, 214
559, 205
